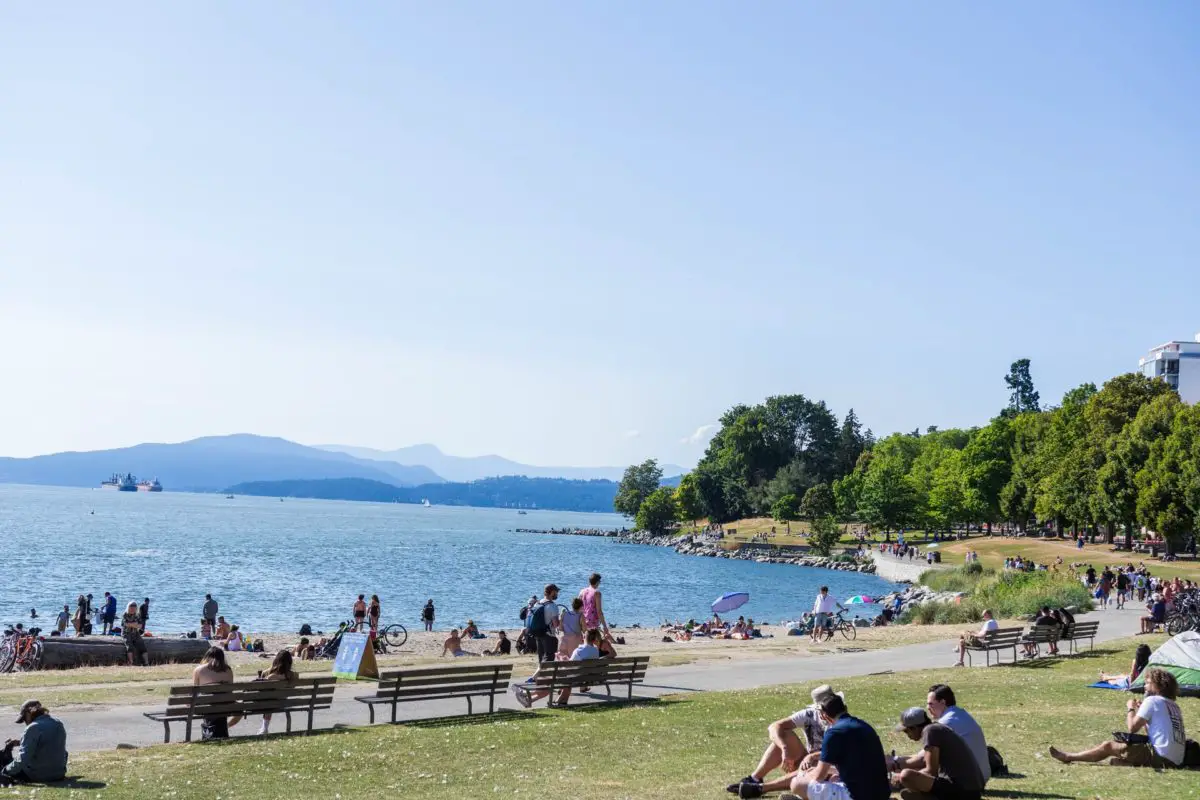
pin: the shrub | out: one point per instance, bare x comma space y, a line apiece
1009, 594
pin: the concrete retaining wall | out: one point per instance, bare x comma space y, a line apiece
894, 569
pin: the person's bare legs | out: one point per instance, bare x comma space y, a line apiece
1092, 755
916, 781
962, 650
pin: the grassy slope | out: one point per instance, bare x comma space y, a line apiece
681, 747
993, 551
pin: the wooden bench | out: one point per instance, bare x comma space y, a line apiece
440, 683
607, 672
995, 641
1042, 634
187, 704
1078, 631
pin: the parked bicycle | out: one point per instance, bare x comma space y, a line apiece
21, 650
839, 624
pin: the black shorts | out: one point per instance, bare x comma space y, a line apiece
109, 619
945, 790
214, 728
547, 646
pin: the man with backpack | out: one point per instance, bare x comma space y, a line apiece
540, 623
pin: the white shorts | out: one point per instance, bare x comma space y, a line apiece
828, 790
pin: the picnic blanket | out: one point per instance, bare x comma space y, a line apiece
1109, 685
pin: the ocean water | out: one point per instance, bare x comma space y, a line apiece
274, 565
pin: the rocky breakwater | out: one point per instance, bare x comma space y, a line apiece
917, 594
692, 545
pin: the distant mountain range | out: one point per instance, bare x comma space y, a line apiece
209, 464
460, 468
509, 492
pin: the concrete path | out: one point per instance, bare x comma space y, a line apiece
104, 729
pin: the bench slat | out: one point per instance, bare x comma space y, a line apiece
483, 668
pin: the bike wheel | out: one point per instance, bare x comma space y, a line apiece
1176, 625
848, 630
8, 657
396, 635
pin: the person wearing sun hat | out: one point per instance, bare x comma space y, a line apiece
42, 753
945, 767
794, 745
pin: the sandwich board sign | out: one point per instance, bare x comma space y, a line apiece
355, 657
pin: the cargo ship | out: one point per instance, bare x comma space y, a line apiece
149, 486
122, 483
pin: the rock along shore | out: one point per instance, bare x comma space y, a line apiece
697, 545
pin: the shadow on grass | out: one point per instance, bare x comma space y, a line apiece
593, 708
1044, 662
1018, 793
503, 715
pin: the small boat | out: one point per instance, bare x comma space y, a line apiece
228, 497
522, 512
426, 503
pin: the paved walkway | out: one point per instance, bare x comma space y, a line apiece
104, 729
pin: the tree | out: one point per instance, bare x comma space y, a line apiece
688, 499
658, 512
986, 468
818, 502
825, 535
887, 499
851, 443
638, 483
1022, 396
786, 508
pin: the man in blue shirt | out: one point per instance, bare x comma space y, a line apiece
42, 756
110, 612
852, 764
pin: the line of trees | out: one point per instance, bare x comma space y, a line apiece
1105, 461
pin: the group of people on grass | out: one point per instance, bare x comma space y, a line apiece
822, 752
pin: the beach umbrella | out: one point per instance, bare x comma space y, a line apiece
729, 601
860, 599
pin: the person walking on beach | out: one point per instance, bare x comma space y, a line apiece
81, 615
593, 608
541, 621
360, 613
110, 612
374, 610
209, 612
131, 632
427, 614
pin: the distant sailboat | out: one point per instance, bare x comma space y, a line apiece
426, 503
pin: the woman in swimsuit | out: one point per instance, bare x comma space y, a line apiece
593, 608
360, 612
373, 612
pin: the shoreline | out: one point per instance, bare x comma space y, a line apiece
694, 544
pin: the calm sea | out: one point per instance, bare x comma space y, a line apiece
274, 565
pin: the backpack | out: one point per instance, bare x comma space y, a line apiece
535, 620
1191, 753
996, 762
306, 630
524, 613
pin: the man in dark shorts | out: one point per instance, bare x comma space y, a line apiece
209, 611
944, 768
852, 765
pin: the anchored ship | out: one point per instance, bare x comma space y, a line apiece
128, 483
149, 486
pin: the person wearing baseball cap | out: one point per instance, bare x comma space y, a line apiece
787, 749
944, 767
42, 753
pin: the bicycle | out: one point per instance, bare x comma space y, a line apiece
394, 635
841, 625
21, 651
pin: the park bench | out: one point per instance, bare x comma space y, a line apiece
440, 683
188, 704
607, 672
1078, 631
994, 642
1042, 634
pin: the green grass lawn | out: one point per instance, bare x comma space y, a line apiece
992, 552
680, 747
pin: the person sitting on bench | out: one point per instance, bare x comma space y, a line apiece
590, 649
969, 639
1044, 619
1158, 614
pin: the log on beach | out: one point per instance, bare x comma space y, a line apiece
104, 651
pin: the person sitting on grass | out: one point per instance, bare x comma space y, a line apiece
786, 750
590, 649
945, 767
943, 707
1158, 614
1141, 658
852, 765
1162, 720
453, 645
969, 639
503, 645
41, 751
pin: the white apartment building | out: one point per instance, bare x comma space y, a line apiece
1178, 363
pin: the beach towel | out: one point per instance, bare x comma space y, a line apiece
1109, 685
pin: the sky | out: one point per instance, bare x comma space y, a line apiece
577, 233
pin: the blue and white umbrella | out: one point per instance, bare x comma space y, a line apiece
729, 601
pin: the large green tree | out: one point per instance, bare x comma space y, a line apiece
1022, 396
688, 499
639, 481
658, 511
824, 536
818, 502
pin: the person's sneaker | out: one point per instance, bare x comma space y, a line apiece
734, 787
750, 790
521, 696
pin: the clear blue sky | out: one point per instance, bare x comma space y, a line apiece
575, 234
